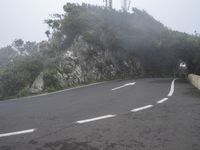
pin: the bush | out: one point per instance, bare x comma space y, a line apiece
51, 89
51, 83
15, 77
24, 92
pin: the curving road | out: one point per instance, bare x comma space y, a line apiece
140, 114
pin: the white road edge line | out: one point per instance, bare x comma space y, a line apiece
128, 84
162, 101
95, 119
17, 133
141, 108
171, 92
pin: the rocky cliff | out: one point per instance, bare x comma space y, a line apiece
84, 62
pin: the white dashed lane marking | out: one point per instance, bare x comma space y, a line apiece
171, 92
142, 108
17, 133
95, 119
162, 100
128, 84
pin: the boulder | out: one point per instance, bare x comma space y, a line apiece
38, 84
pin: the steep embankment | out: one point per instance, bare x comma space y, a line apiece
83, 62
93, 44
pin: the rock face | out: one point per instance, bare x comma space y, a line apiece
83, 62
38, 84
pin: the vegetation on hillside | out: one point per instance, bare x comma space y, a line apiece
125, 35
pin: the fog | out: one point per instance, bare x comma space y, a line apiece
25, 18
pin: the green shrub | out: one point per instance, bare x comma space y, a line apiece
50, 89
24, 92
51, 83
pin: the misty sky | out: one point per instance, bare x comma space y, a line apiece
25, 18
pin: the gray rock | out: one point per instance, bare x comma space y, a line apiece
38, 84
85, 62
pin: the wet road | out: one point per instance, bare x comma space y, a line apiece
140, 114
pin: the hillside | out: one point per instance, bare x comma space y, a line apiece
89, 43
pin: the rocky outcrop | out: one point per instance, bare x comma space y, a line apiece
84, 62
38, 84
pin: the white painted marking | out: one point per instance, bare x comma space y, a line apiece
95, 119
171, 92
128, 84
17, 133
162, 101
142, 108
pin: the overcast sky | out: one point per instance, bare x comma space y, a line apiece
25, 18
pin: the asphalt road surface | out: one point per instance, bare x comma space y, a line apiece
140, 114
